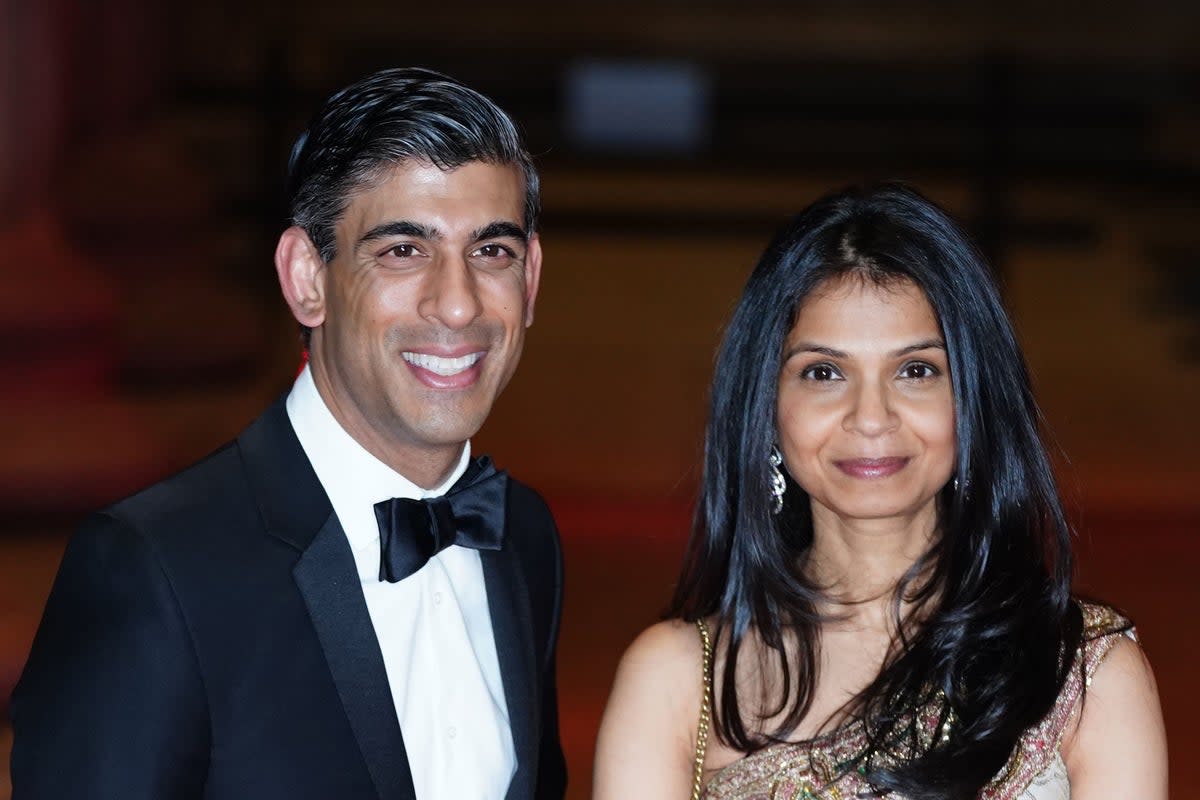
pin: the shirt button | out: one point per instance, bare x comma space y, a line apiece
437, 598
452, 732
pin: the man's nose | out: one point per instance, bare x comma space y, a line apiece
451, 294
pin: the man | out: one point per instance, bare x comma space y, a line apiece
304, 614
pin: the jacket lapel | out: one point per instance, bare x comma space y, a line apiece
329, 582
512, 627
295, 509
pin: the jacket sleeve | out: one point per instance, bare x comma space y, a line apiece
111, 702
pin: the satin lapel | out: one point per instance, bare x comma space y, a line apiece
329, 582
512, 626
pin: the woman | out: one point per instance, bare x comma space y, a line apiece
876, 595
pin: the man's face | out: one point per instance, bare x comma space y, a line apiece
424, 308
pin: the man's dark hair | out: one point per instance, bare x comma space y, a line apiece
393, 116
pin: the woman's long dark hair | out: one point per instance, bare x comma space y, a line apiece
999, 627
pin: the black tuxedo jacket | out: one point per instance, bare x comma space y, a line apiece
208, 638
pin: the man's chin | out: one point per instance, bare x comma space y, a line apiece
452, 433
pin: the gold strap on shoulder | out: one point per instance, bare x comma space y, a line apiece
705, 713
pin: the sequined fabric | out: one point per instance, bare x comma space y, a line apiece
822, 768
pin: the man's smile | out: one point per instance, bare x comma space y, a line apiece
440, 365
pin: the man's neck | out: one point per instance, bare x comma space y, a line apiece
427, 466
428, 473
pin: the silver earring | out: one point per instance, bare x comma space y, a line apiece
778, 486
956, 484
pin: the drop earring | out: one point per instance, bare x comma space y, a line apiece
778, 485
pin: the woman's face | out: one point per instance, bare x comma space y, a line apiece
865, 407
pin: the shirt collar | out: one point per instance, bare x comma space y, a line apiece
354, 479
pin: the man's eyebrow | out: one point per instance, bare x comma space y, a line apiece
500, 230
400, 228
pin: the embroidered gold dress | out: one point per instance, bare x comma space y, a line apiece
815, 769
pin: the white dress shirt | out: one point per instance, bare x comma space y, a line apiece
433, 627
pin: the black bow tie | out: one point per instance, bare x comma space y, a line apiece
471, 514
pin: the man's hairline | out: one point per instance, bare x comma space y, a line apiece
377, 175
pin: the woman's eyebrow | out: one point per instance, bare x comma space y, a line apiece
809, 347
927, 344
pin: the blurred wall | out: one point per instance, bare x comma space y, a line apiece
142, 151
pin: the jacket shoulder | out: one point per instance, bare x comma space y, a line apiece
532, 530
198, 496
223, 492
527, 505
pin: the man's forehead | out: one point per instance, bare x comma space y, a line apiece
474, 193
418, 173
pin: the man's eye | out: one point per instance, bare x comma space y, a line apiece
494, 251
820, 372
403, 250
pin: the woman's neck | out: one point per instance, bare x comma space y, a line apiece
860, 562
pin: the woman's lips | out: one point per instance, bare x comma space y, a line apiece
872, 468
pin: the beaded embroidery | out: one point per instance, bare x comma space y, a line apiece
816, 769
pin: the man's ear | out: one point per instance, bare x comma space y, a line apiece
301, 276
533, 275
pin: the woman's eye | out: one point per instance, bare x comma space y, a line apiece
820, 372
918, 371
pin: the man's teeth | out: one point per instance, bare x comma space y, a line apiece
442, 366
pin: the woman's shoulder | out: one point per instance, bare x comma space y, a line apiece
1106, 711
647, 738
666, 661
1117, 737
670, 644
1105, 635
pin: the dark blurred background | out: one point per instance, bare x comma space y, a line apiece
142, 153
